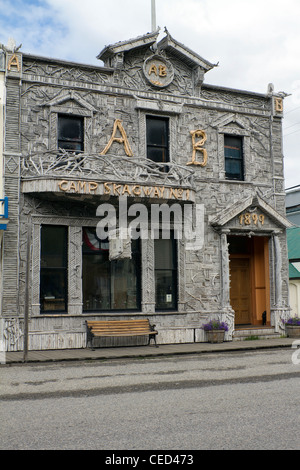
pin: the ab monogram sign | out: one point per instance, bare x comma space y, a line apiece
158, 71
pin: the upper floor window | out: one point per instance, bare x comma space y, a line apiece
157, 139
233, 150
70, 133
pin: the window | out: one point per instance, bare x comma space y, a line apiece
157, 139
233, 149
109, 285
54, 269
165, 274
70, 133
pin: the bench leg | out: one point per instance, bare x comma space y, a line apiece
89, 342
90, 345
154, 338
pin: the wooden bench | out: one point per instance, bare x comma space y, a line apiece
117, 328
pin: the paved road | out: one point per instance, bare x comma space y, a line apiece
242, 400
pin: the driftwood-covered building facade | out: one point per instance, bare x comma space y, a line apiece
140, 134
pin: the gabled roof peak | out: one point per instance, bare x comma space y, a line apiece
221, 219
168, 43
123, 46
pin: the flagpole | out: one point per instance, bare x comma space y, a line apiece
153, 15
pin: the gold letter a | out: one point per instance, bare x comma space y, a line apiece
121, 140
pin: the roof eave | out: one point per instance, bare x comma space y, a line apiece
123, 46
168, 43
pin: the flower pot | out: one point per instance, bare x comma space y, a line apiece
215, 336
292, 331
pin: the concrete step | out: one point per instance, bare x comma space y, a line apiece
255, 332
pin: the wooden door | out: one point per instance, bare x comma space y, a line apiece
240, 289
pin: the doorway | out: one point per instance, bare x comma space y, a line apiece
240, 290
249, 279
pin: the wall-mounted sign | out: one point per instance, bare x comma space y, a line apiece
79, 187
122, 189
13, 62
252, 219
118, 127
278, 105
198, 147
137, 190
158, 71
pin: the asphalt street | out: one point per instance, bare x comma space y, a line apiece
237, 400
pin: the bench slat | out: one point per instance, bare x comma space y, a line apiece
145, 326
126, 334
120, 329
115, 322
129, 332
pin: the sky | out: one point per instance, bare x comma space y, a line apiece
255, 42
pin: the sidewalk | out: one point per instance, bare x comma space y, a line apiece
144, 351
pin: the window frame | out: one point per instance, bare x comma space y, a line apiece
61, 139
174, 272
74, 285
163, 147
87, 117
137, 259
229, 158
63, 268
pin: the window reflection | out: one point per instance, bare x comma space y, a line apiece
70, 133
108, 285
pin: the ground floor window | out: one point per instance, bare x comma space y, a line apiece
109, 285
54, 268
165, 273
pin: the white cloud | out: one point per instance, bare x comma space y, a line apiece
255, 41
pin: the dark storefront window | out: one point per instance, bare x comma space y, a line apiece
54, 269
233, 149
109, 285
70, 133
157, 139
165, 274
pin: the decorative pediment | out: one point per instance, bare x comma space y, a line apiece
72, 96
230, 122
250, 214
157, 68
